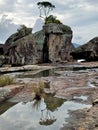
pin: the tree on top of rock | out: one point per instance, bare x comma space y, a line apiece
45, 7
52, 19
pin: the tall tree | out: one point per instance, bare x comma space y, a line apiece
45, 7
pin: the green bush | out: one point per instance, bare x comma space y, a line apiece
6, 80
23, 30
66, 28
52, 19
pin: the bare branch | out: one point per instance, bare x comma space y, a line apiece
46, 7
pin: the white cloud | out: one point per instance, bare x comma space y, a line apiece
7, 27
83, 34
2, 2
38, 26
80, 15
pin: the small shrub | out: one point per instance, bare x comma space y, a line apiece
52, 19
23, 30
66, 28
39, 90
6, 80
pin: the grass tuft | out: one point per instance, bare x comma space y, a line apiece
6, 80
39, 90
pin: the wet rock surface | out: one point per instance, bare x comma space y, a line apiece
86, 119
9, 91
74, 85
9, 69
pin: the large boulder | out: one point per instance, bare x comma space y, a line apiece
22, 52
88, 51
57, 44
21, 32
51, 44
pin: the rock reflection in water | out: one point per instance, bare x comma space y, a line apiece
4, 106
46, 117
52, 103
37, 74
27, 116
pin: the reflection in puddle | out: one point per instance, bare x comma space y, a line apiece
5, 106
81, 97
45, 73
49, 113
37, 74
91, 85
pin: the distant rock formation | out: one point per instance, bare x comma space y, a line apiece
88, 51
57, 44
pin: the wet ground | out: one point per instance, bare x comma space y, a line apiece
48, 113
76, 84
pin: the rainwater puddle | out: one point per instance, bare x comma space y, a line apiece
81, 97
49, 113
91, 85
46, 73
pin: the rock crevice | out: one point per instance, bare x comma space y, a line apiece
52, 44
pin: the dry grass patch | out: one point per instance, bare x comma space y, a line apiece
6, 80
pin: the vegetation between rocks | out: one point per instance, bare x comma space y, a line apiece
6, 80
52, 19
39, 91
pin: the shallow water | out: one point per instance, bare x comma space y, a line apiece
49, 113
49, 72
5, 106
84, 98
39, 115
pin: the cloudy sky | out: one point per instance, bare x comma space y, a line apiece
80, 15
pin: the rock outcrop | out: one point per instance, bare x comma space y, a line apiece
39, 40
2, 58
9, 91
20, 48
22, 32
23, 51
1, 49
52, 44
88, 51
57, 44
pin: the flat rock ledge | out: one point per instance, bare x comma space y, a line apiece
82, 119
8, 69
9, 91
